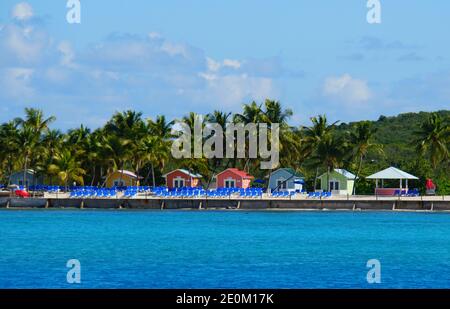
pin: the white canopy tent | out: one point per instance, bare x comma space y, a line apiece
392, 173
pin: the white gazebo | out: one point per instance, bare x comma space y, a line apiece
391, 173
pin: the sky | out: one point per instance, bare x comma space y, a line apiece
175, 56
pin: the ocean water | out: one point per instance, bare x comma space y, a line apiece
223, 249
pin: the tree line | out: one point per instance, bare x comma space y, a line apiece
128, 141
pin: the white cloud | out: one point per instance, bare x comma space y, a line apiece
23, 43
174, 49
154, 35
67, 54
147, 73
215, 66
347, 89
22, 11
235, 64
231, 91
15, 82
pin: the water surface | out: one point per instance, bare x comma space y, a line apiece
223, 249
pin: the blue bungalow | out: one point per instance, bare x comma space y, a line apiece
31, 178
286, 179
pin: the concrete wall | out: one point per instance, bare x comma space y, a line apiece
3, 201
247, 204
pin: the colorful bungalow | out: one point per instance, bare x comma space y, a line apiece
29, 179
122, 178
233, 178
286, 179
339, 181
182, 178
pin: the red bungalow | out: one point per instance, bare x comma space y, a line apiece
233, 178
182, 178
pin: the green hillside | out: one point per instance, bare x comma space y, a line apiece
397, 135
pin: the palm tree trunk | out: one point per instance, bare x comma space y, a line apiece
121, 174
315, 178
101, 175
137, 174
34, 183
25, 172
93, 175
147, 176
153, 175
247, 161
328, 179
10, 170
357, 174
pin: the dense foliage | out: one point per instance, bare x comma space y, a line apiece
415, 142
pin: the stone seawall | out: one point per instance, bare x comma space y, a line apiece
247, 204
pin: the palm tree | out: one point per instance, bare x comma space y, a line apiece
27, 141
330, 152
116, 150
222, 119
31, 130
66, 166
361, 142
433, 138
35, 120
154, 150
274, 114
10, 146
161, 127
129, 128
52, 141
251, 113
78, 137
314, 135
126, 124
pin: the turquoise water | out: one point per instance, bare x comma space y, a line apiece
229, 249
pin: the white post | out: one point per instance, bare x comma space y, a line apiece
400, 183
406, 184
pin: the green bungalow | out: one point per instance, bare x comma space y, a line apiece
341, 182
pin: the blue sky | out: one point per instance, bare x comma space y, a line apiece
172, 57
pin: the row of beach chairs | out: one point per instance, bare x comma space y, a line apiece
199, 192
409, 192
319, 195
283, 194
104, 193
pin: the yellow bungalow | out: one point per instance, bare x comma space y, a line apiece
122, 178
